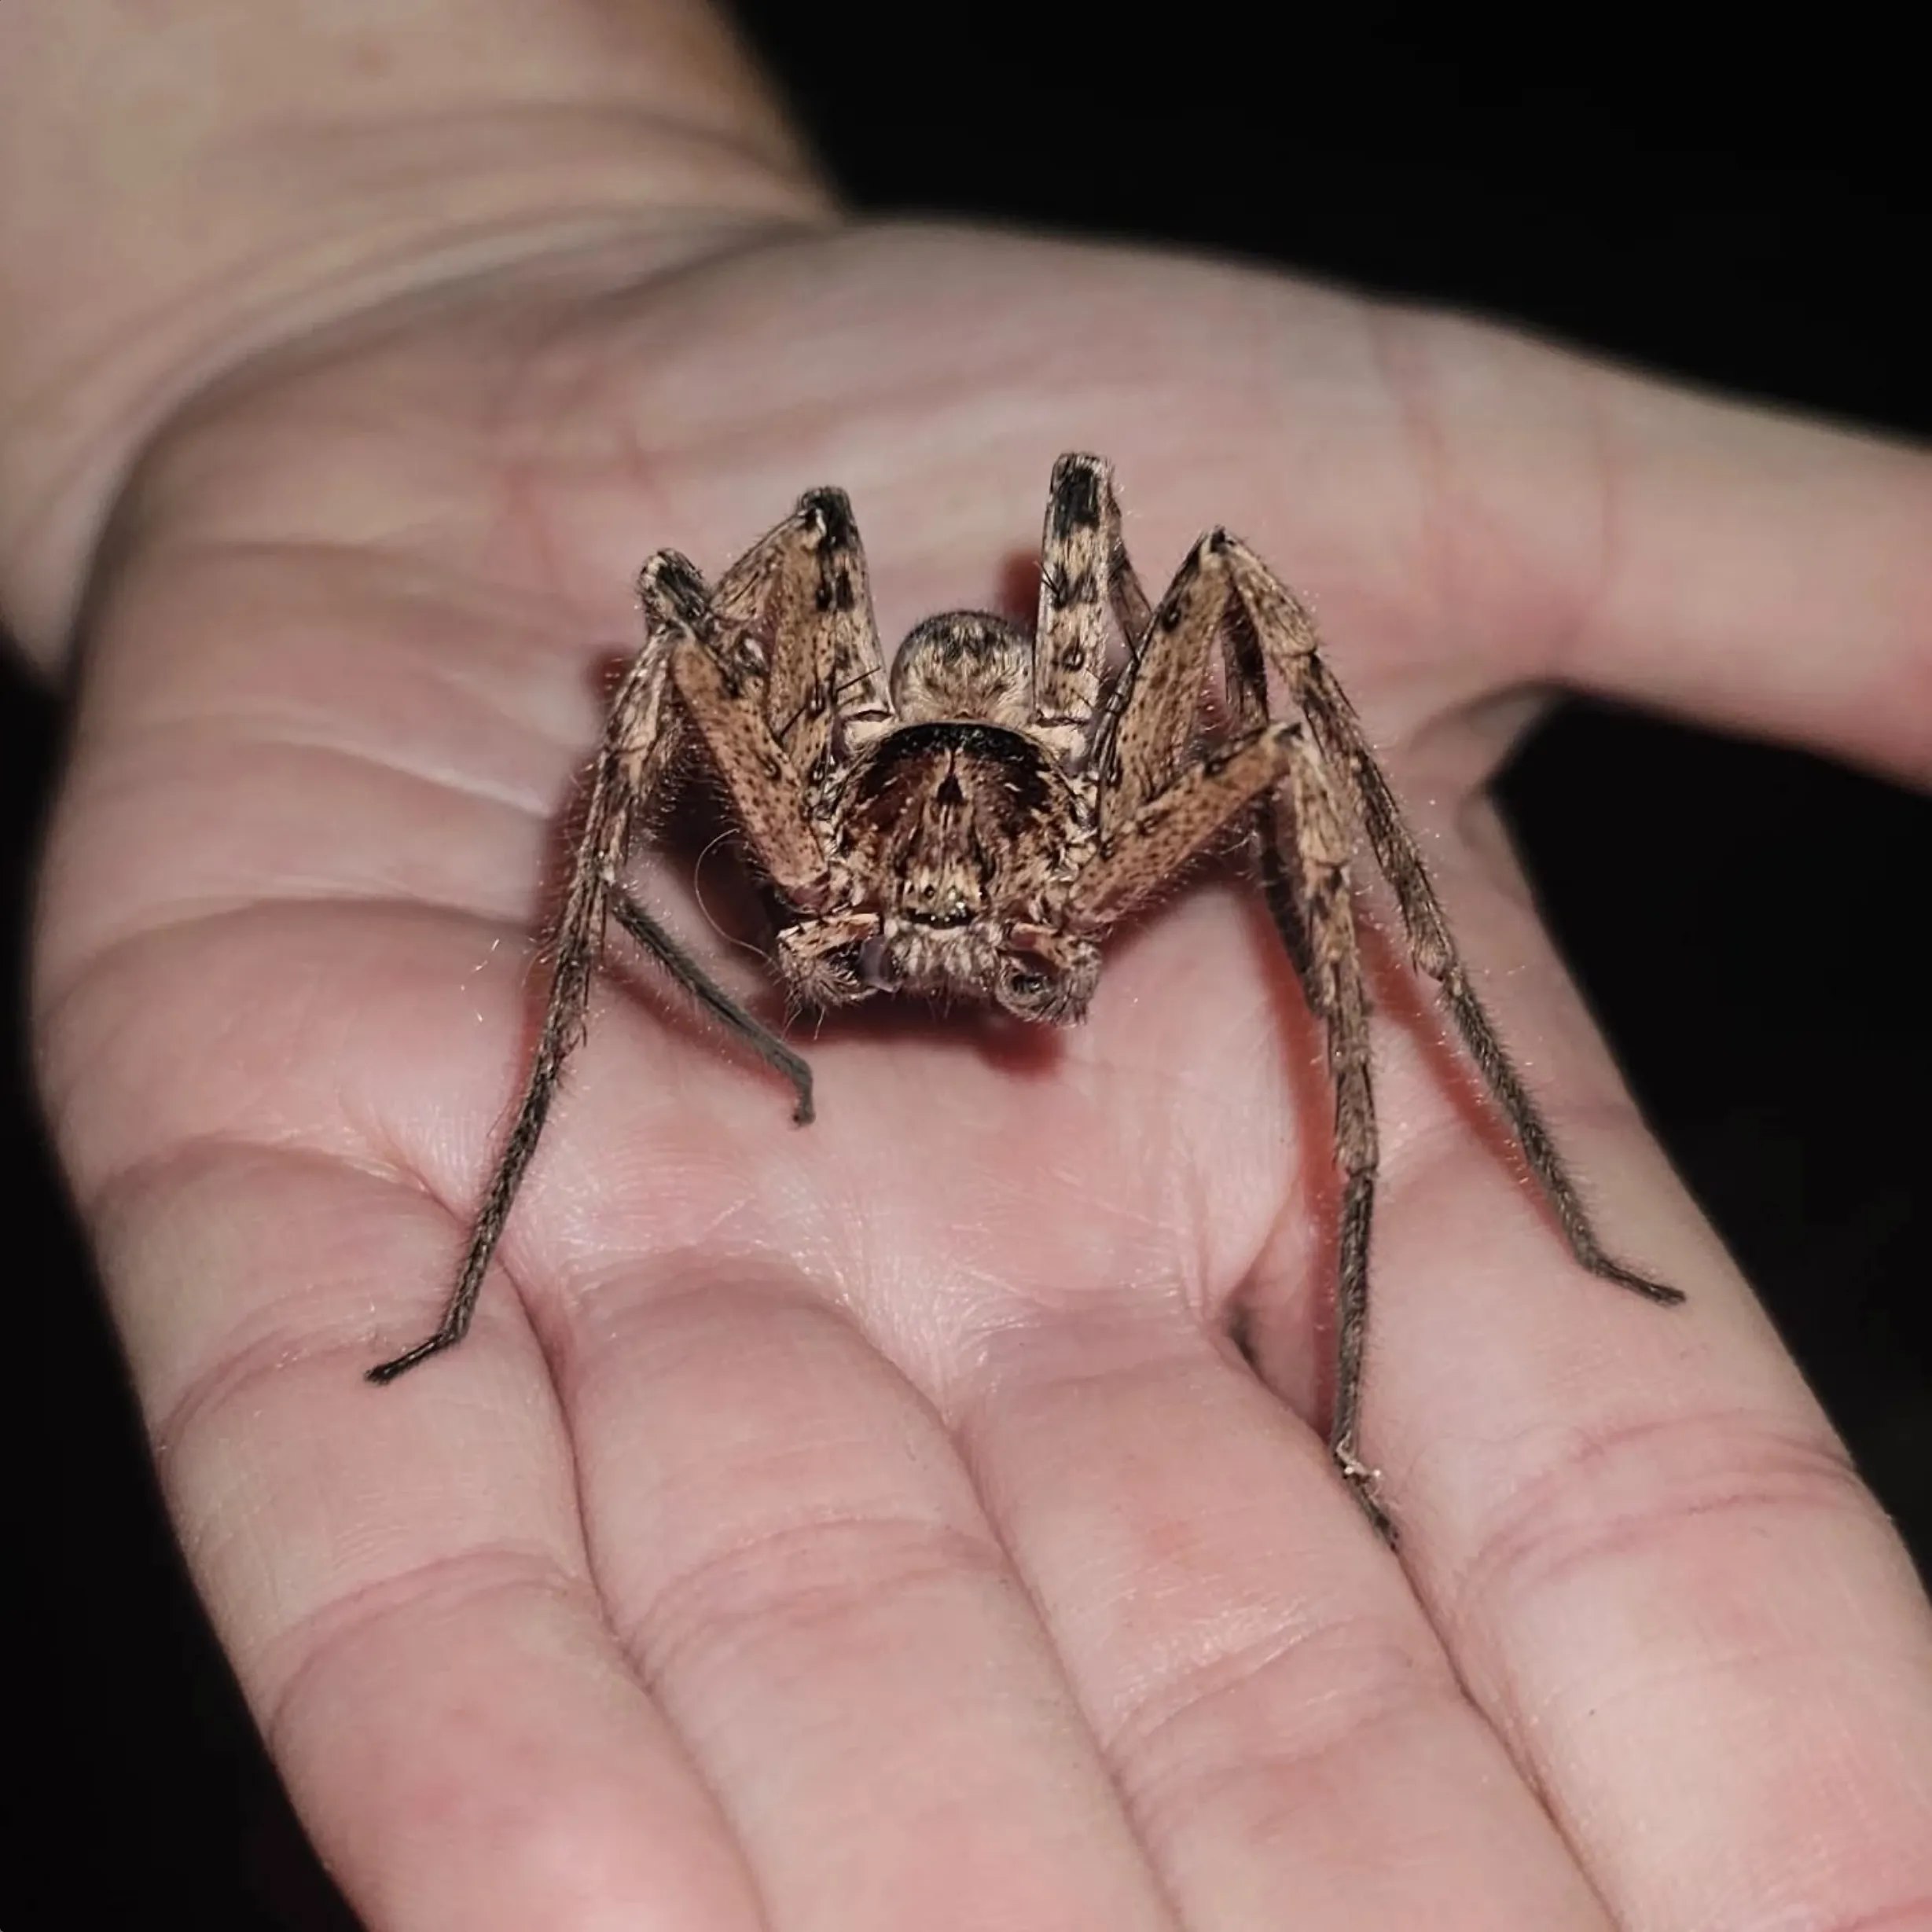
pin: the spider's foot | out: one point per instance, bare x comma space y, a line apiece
1364, 1484
384, 1372
799, 1073
1661, 1292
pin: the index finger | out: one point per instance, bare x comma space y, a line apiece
1656, 1572
1750, 568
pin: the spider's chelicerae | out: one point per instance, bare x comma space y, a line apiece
971, 826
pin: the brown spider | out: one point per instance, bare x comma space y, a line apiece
972, 826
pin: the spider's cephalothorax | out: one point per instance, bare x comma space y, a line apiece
957, 831
971, 827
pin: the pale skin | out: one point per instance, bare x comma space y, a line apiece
870, 1525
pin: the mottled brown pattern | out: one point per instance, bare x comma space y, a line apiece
970, 828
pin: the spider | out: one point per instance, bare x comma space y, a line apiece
971, 825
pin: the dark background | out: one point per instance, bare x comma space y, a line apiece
1750, 215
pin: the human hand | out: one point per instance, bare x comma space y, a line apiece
872, 1523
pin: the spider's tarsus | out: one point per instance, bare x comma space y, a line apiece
671, 578
1363, 1483
1658, 1292
1074, 499
779, 1056
833, 509
385, 1372
803, 1115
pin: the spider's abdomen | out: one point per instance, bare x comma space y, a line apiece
965, 664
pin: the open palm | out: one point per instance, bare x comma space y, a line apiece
872, 1524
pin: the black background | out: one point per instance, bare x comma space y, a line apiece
1748, 213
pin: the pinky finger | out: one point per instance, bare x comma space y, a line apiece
402, 1589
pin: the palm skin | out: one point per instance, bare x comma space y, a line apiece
870, 1524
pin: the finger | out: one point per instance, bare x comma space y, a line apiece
402, 1589
1770, 575
398, 1575
1655, 1571
797, 1563
1276, 1714
1751, 568
1281, 1721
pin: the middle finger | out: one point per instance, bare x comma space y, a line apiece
800, 1568
1275, 1709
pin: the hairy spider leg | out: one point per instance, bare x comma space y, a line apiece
1163, 797
644, 732
1256, 598
1263, 625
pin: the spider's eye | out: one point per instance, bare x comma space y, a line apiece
1026, 986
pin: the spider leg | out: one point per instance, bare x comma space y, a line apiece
1305, 859
1309, 895
806, 589
1082, 533
696, 981
1304, 847
1274, 838
1266, 626
1304, 851
1140, 857
767, 791
1084, 572
641, 738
